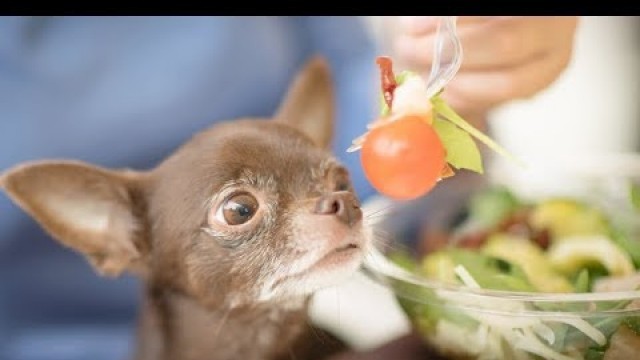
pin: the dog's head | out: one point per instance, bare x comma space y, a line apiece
247, 211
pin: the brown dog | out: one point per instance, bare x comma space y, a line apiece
231, 234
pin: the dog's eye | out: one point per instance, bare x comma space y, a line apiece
342, 186
237, 209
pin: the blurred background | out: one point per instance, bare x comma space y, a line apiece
591, 111
592, 107
124, 92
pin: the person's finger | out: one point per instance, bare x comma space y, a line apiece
494, 43
424, 25
489, 44
474, 91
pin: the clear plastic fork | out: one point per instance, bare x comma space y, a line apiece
447, 55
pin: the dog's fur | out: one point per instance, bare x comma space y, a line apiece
214, 290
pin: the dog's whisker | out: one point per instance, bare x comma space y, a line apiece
389, 208
223, 321
381, 213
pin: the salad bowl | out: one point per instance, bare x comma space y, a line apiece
547, 268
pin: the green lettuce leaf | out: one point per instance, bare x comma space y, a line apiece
595, 353
493, 205
441, 108
628, 244
633, 323
400, 78
420, 303
582, 283
489, 272
462, 151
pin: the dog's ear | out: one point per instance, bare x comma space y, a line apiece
94, 211
309, 102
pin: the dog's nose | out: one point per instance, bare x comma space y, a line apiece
342, 204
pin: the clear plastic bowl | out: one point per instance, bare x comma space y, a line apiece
486, 324
465, 323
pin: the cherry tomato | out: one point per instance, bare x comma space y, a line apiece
403, 159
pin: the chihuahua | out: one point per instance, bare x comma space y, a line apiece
231, 234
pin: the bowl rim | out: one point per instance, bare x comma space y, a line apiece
384, 270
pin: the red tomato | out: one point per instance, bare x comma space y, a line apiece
403, 159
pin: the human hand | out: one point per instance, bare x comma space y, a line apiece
505, 58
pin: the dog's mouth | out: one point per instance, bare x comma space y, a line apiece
350, 246
336, 256
337, 259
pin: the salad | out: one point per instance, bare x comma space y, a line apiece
418, 139
556, 246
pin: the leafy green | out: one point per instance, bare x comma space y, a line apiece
560, 331
582, 284
462, 151
595, 353
489, 207
630, 246
633, 323
400, 78
593, 272
443, 109
422, 305
429, 309
440, 266
491, 272
404, 260
607, 325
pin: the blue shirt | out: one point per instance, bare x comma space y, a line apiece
125, 92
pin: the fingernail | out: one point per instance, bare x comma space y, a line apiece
418, 24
